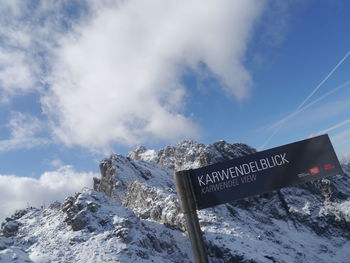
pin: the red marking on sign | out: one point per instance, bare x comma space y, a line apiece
314, 170
328, 166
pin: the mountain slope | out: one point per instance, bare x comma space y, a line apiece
133, 216
90, 227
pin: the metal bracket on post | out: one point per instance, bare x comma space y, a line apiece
188, 207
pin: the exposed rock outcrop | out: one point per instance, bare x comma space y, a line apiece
134, 216
320, 208
191, 154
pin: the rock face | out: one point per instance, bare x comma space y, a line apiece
91, 227
143, 181
190, 154
133, 216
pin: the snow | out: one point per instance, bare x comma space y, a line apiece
140, 219
52, 240
149, 155
14, 254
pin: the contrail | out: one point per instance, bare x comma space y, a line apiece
300, 107
325, 79
346, 83
338, 125
280, 123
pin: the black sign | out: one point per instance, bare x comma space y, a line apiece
264, 171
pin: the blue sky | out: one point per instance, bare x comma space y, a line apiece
314, 39
82, 79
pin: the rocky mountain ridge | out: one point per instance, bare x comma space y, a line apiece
132, 215
190, 154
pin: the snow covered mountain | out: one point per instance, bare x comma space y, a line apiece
132, 215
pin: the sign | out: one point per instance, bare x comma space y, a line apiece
264, 171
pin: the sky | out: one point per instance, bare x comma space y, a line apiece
82, 79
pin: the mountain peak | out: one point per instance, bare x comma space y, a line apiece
189, 154
133, 215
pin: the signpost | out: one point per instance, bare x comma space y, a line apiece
254, 174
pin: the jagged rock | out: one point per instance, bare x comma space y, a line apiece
190, 154
10, 228
18, 214
79, 210
118, 172
54, 205
134, 216
318, 207
118, 235
96, 183
154, 203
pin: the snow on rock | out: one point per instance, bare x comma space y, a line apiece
275, 227
91, 227
14, 254
133, 216
346, 166
160, 205
118, 172
190, 154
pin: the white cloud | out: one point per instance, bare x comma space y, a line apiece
57, 163
19, 192
29, 31
17, 68
24, 133
111, 73
118, 79
15, 75
11, 6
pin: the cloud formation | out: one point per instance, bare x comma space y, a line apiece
121, 73
28, 31
15, 76
113, 69
24, 133
19, 192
